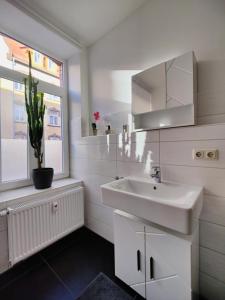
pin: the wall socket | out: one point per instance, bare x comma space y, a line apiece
210, 154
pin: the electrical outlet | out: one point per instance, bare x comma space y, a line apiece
198, 154
211, 154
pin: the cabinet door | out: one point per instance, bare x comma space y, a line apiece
167, 255
130, 252
170, 288
167, 266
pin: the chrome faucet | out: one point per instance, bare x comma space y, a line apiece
157, 174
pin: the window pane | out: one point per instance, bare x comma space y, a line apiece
14, 56
53, 133
13, 131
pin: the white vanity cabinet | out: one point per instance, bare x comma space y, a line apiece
158, 264
130, 253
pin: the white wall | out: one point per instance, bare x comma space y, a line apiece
158, 31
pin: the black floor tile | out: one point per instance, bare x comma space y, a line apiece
62, 270
38, 284
64, 243
19, 270
83, 261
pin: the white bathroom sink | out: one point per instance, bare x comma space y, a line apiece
172, 205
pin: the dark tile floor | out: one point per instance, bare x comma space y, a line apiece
63, 270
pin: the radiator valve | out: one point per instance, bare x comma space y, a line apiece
55, 206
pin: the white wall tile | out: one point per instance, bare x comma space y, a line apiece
210, 288
180, 153
96, 140
212, 179
101, 229
99, 151
84, 167
145, 136
212, 263
138, 152
191, 133
92, 187
212, 236
99, 212
213, 210
134, 169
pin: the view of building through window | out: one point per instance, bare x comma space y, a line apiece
53, 133
14, 131
14, 146
14, 56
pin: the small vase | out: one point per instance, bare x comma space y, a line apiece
95, 131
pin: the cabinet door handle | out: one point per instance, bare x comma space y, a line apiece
151, 268
138, 260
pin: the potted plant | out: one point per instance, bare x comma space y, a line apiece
42, 177
96, 116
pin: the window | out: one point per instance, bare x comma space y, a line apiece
18, 87
54, 137
53, 133
14, 56
19, 113
20, 135
50, 64
37, 57
14, 147
16, 156
53, 117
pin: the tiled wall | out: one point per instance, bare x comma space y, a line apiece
98, 160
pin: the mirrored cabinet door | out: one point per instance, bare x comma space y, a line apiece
164, 95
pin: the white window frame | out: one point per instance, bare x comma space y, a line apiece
49, 88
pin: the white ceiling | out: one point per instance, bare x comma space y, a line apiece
27, 30
84, 20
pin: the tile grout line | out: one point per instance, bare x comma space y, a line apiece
17, 277
57, 276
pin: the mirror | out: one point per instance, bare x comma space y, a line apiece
164, 95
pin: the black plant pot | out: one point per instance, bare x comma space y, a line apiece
42, 177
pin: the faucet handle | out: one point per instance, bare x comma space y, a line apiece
156, 168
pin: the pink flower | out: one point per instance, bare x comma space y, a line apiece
96, 115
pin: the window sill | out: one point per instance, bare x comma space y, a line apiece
18, 195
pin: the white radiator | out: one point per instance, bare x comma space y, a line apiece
33, 226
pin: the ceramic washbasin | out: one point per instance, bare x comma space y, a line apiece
172, 205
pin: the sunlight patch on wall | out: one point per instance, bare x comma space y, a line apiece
121, 85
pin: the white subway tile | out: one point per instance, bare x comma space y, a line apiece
99, 151
193, 133
212, 236
134, 169
180, 153
84, 167
101, 229
145, 136
101, 139
213, 210
210, 288
212, 179
212, 263
138, 152
99, 212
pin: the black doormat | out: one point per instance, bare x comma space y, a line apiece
103, 288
